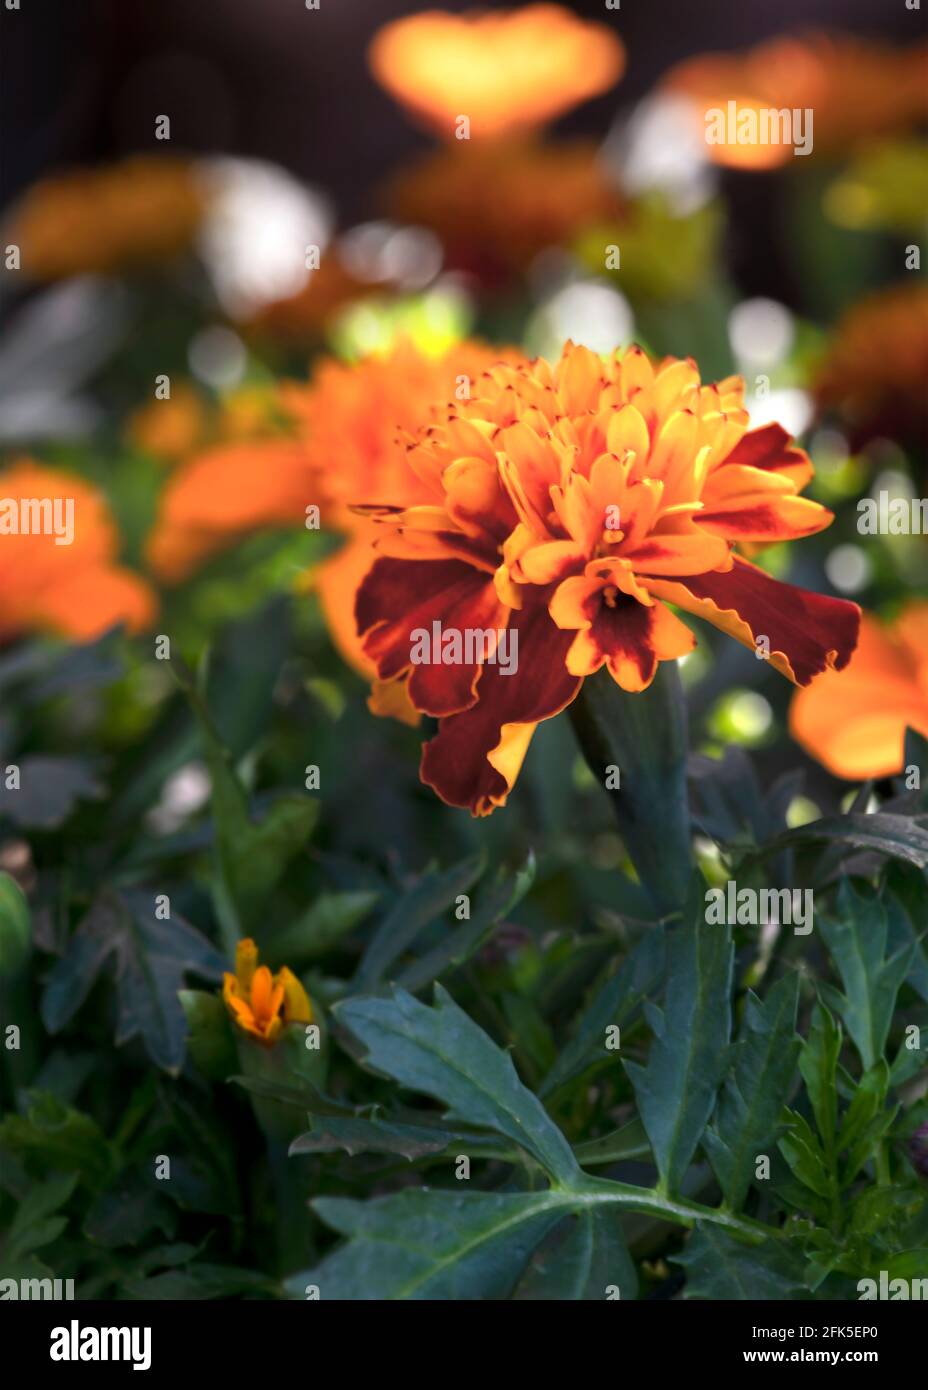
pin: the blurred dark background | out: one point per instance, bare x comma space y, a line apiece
82, 80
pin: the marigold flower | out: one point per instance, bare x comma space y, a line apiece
495, 205
139, 211
56, 583
506, 71
259, 1002
567, 506
875, 369
815, 72
854, 722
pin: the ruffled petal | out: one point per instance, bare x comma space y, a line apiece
769, 448
476, 755
401, 600
807, 633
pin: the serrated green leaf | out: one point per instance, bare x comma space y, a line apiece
614, 1004
764, 1064
818, 1063
301, 1096
150, 957
57, 1138
720, 1266
459, 945
805, 1155
676, 1089
857, 941
33, 1223
412, 913
443, 1053
899, 837
430, 1245
585, 1260
359, 1134
902, 933
868, 1099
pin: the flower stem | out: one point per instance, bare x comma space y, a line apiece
644, 737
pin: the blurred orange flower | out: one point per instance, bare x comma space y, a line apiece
854, 722
495, 205
566, 507
142, 210
346, 421
57, 559
505, 71
875, 369
222, 494
169, 428
174, 428
856, 88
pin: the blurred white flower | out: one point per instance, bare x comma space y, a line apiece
587, 311
256, 233
658, 147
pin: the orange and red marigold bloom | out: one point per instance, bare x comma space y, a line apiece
262, 1003
74, 588
567, 507
854, 722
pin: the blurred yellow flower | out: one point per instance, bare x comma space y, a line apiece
143, 210
665, 254
886, 186
259, 1002
504, 71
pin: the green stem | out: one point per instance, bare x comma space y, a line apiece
678, 1210
644, 736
